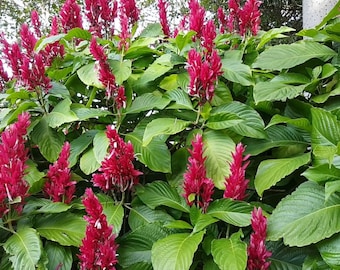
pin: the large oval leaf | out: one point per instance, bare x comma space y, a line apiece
217, 148
147, 102
271, 171
88, 74
330, 251
88, 163
61, 114
236, 72
230, 254
176, 251
59, 257
24, 248
303, 218
290, 55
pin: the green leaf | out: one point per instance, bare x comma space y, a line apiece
148, 101
183, 40
88, 163
155, 155
61, 114
273, 33
33, 177
49, 141
237, 72
276, 91
121, 70
24, 248
114, 212
84, 113
163, 126
160, 193
88, 74
333, 13
238, 117
217, 149
230, 254
233, 212
322, 173
59, 257
43, 42
330, 188
298, 122
181, 98
330, 251
271, 171
67, 229
290, 55
152, 30
80, 144
169, 82
303, 218
142, 215
100, 146
203, 221
178, 224
176, 251
136, 246
59, 90
78, 33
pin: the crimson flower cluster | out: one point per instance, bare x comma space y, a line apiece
257, 251
101, 15
198, 189
4, 78
70, 16
59, 186
130, 9
241, 19
98, 248
196, 17
124, 34
117, 169
13, 187
162, 6
106, 77
236, 184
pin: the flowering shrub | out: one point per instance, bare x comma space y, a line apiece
194, 146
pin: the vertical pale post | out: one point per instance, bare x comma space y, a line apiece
315, 10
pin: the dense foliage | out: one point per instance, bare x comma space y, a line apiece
198, 148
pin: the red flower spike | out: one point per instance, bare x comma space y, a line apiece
198, 189
233, 19
98, 248
54, 26
120, 98
208, 36
124, 34
12, 165
162, 6
35, 21
181, 26
13, 56
131, 11
250, 17
59, 186
70, 16
4, 78
236, 184
117, 169
223, 19
196, 17
257, 251
28, 39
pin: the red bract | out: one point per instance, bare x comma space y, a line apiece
124, 32
120, 98
3, 76
198, 189
250, 17
35, 21
208, 36
130, 9
98, 248
196, 17
223, 19
70, 16
257, 251
233, 19
13, 56
59, 186
101, 15
54, 26
117, 169
236, 184
203, 74
28, 39
13, 157
162, 6
33, 74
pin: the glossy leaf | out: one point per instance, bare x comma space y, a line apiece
100, 146
88, 74
298, 217
230, 253
271, 171
161, 193
236, 72
176, 251
121, 70
330, 251
24, 248
59, 257
88, 163
61, 114
322, 173
148, 101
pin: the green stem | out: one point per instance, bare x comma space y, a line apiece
198, 114
92, 96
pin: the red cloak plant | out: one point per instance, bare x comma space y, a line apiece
124, 35
257, 251
208, 36
196, 17
98, 248
59, 186
4, 78
162, 6
117, 169
236, 184
198, 189
70, 16
13, 186
250, 17
36, 24
131, 11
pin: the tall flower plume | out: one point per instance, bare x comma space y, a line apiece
198, 189
236, 184
59, 186
208, 36
117, 169
124, 35
130, 9
4, 78
162, 6
36, 24
257, 251
203, 74
196, 17
28, 39
12, 166
98, 248
250, 17
223, 19
70, 16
